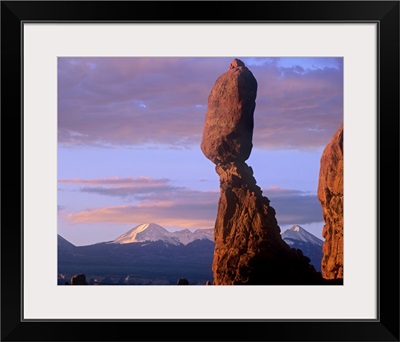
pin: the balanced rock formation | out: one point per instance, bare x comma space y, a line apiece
249, 248
330, 195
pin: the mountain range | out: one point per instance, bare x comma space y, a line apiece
150, 254
154, 232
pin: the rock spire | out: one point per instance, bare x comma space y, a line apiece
249, 249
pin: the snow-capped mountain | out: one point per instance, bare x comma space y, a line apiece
154, 232
147, 232
186, 236
297, 233
299, 238
202, 234
143, 263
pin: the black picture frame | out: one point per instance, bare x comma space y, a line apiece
384, 13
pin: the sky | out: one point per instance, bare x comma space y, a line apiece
129, 133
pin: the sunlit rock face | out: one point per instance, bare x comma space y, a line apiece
249, 249
228, 128
330, 195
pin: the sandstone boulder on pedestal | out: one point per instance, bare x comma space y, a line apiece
228, 128
249, 249
330, 195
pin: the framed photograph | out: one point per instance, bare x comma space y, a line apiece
154, 140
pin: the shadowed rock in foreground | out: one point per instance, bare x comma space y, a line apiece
330, 195
182, 281
249, 249
79, 279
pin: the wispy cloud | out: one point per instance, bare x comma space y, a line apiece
133, 101
294, 206
122, 187
118, 181
184, 207
187, 208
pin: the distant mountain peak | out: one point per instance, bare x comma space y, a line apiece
146, 232
63, 240
296, 228
298, 233
148, 225
297, 237
63, 244
154, 232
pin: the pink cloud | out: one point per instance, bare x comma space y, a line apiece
294, 206
183, 207
178, 212
131, 101
140, 187
118, 181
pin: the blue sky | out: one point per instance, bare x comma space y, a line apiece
129, 132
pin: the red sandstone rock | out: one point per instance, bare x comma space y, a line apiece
248, 245
330, 194
228, 128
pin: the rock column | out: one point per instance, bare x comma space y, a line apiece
248, 245
330, 195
